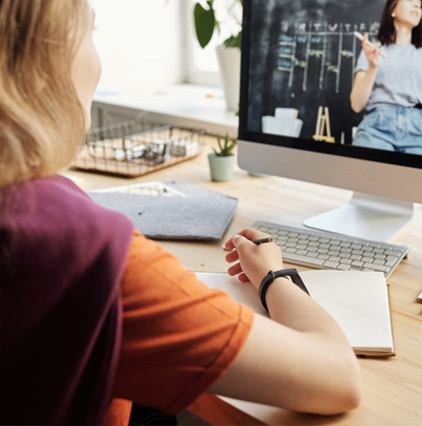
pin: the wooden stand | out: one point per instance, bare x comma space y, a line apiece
323, 127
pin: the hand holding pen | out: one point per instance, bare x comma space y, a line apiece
256, 255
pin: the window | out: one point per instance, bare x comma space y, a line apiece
202, 64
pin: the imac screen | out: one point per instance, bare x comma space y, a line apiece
312, 77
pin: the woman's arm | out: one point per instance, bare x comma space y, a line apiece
364, 81
300, 359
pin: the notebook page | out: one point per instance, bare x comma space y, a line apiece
357, 301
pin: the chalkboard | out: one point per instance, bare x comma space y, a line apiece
303, 56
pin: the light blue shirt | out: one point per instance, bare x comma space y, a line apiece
399, 77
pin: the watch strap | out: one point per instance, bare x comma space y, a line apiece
293, 274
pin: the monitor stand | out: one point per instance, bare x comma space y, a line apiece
368, 217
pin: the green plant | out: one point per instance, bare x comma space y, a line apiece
206, 22
227, 149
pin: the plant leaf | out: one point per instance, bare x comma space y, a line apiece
204, 24
219, 143
234, 41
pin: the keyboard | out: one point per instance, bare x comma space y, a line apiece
325, 250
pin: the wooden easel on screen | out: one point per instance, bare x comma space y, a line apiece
323, 127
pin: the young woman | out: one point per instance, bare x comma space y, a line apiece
91, 311
390, 87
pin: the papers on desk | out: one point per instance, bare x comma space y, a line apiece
358, 301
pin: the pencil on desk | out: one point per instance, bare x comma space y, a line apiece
419, 299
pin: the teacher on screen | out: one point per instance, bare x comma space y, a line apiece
390, 88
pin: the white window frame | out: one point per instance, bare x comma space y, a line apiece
193, 75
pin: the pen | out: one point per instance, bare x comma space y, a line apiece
360, 37
258, 242
263, 241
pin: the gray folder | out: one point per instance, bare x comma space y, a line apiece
202, 215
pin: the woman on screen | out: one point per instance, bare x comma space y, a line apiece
388, 82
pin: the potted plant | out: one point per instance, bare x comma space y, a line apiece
222, 161
207, 22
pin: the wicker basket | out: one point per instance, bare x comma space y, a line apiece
136, 148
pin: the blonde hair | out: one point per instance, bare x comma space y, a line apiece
42, 121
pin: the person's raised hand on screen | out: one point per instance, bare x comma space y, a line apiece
372, 52
254, 261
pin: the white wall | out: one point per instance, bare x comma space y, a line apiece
141, 43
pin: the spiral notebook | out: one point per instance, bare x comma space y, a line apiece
358, 301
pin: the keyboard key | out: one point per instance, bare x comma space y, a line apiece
334, 243
378, 268
312, 249
313, 238
322, 251
302, 252
313, 244
367, 249
334, 258
344, 255
378, 262
346, 250
346, 261
330, 265
357, 263
343, 267
315, 254
324, 246
392, 253
357, 252
301, 247
323, 256
378, 250
333, 253
296, 257
380, 256
347, 245
390, 262
356, 246
367, 259
290, 250
324, 240
354, 257
293, 234
291, 245
303, 242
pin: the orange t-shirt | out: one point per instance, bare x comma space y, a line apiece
179, 336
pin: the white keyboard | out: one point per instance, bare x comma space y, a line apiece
333, 251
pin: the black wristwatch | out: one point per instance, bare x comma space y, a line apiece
269, 279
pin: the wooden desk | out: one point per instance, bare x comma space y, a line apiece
392, 388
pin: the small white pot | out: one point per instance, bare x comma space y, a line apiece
229, 62
221, 167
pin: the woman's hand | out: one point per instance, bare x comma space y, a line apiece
372, 52
254, 261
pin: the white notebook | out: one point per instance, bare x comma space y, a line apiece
358, 301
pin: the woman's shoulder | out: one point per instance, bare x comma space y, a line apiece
53, 215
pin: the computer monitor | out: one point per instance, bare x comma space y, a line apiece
299, 62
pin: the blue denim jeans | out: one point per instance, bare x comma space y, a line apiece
391, 128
